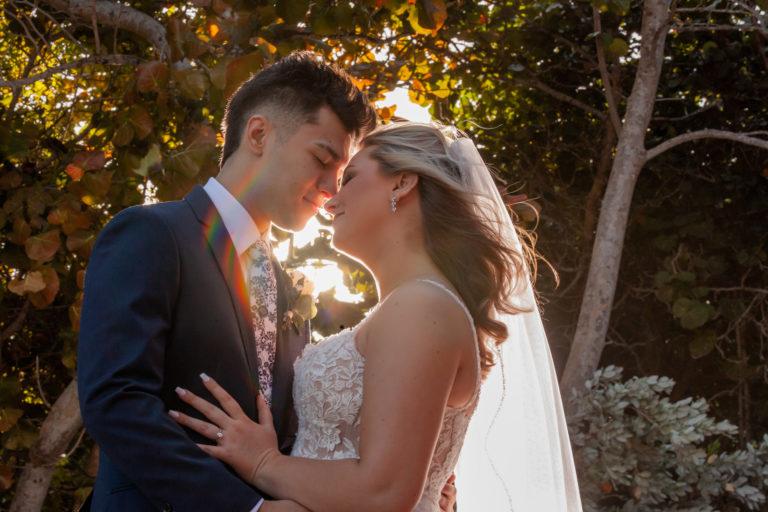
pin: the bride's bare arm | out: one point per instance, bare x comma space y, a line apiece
412, 354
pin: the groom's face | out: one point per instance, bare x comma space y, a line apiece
304, 167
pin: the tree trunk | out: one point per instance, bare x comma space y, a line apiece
56, 433
595, 312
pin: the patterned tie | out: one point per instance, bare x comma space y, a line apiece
262, 288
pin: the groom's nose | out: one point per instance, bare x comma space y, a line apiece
328, 184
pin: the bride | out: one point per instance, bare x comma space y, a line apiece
384, 407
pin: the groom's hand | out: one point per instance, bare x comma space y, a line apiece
448, 495
283, 506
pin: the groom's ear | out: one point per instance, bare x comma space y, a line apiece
406, 182
256, 130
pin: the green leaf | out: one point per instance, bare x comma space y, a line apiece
397, 7
418, 25
292, 11
692, 313
685, 276
10, 391
616, 48
9, 418
323, 23
662, 277
665, 243
20, 439
702, 344
620, 7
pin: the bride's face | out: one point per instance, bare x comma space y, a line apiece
362, 205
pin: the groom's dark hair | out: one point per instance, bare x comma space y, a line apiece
296, 87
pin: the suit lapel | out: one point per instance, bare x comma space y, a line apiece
220, 244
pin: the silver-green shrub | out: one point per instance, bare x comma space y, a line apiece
638, 451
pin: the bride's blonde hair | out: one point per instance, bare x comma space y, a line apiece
462, 241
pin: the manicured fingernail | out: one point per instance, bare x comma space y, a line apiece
173, 413
181, 391
204, 377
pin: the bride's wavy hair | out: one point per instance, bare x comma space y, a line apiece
462, 239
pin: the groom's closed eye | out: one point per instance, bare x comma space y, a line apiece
320, 161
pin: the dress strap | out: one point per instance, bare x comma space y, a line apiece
456, 297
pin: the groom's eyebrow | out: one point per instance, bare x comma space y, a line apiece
329, 149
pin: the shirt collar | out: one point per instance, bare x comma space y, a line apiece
239, 223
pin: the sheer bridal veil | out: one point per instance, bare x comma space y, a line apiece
517, 454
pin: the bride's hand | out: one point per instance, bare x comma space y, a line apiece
245, 445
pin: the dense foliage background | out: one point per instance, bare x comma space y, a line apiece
106, 105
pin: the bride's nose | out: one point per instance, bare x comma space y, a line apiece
330, 205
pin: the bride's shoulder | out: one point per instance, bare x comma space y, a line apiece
423, 310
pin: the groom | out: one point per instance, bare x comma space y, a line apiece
180, 288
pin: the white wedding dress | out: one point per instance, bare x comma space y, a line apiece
328, 394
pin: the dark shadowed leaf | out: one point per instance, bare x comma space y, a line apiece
42, 247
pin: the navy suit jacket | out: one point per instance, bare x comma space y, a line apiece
165, 299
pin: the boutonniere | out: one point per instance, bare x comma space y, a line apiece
301, 303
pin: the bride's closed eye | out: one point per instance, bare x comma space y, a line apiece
345, 179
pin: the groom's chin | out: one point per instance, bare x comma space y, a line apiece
292, 225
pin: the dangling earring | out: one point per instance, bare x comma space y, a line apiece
394, 204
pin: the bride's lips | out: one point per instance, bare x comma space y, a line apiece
336, 215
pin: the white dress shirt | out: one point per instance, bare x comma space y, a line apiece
241, 227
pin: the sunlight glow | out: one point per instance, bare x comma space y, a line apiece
405, 107
309, 233
325, 274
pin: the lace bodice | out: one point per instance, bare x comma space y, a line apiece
328, 394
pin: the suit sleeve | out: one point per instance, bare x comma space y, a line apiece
131, 286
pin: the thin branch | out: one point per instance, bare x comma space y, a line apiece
613, 110
109, 60
76, 445
14, 326
39, 385
54, 23
538, 84
741, 289
703, 27
688, 116
744, 138
7, 12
